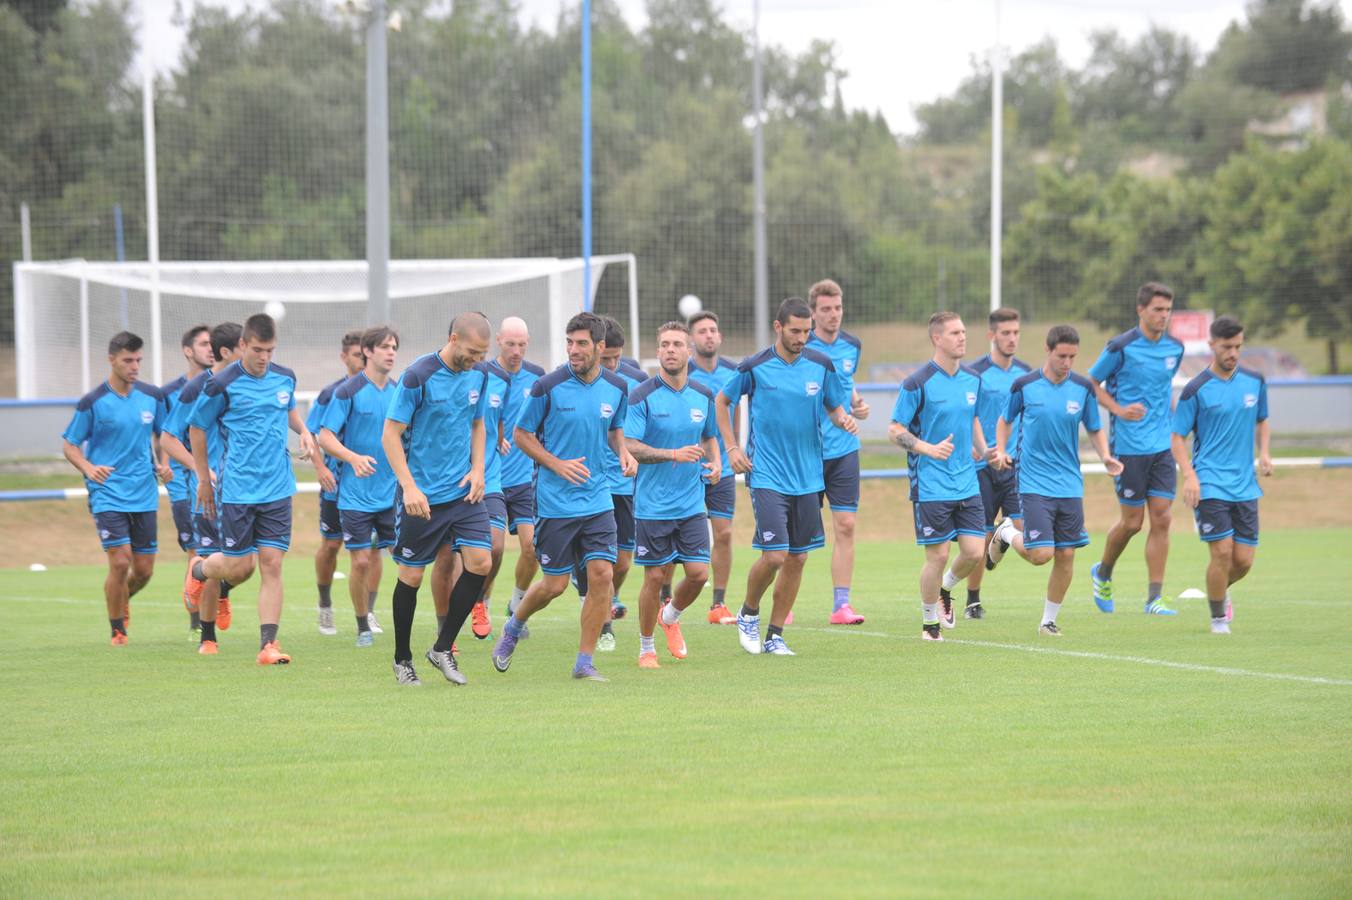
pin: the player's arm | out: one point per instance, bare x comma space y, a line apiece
392, 440
307, 441
362, 466
1000, 458
1265, 448
1100, 442
900, 435
979, 447
646, 455
574, 471
713, 460
1192, 490
736, 455
628, 464
75, 456
841, 418
474, 478
174, 449
206, 492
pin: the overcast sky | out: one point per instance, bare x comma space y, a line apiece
899, 53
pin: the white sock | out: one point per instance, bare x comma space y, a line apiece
930, 616
950, 581
670, 614
646, 645
1049, 611
517, 594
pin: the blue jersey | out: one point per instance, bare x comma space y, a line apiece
1224, 414
724, 371
787, 403
496, 387
315, 421
440, 407
1136, 370
517, 467
633, 376
120, 433
573, 420
355, 414
252, 412
1049, 417
178, 487
665, 418
995, 384
844, 355
933, 405
176, 423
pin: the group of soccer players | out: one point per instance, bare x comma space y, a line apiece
597, 466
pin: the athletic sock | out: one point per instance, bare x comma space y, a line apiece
208, 631
225, 588
950, 581
583, 659
441, 623
646, 644
670, 614
775, 631
1154, 592
607, 629
719, 594
195, 618
973, 597
1217, 608
513, 626
403, 605
363, 624
197, 572
325, 601
266, 635
748, 611
929, 613
666, 591
1049, 611
117, 626
371, 601
463, 597
517, 594
840, 598
1105, 571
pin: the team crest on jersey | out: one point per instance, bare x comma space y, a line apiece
697, 415
1250, 401
494, 400
1072, 407
848, 366
812, 388
147, 416
971, 398
607, 410
525, 392
473, 397
1170, 361
283, 397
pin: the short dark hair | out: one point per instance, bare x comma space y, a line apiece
1062, 334
940, 319
190, 336
673, 326
124, 342
614, 333
1002, 315
352, 339
1225, 328
376, 335
1149, 291
226, 336
792, 308
700, 317
467, 321
261, 326
588, 322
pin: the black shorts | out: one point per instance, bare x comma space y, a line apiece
842, 482
1221, 519
999, 495
940, 521
363, 530
496, 505
458, 523
520, 500
662, 541
139, 529
787, 522
1053, 522
720, 500
330, 522
1146, 475
182, 510
247, 526
624, 521
562, 544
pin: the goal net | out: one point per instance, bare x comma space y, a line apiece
65, 312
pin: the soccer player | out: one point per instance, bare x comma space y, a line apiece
935, 422
670, 430
434, 438
573, 415
111, 442
328, 470
713, 371
999, 488
253, 400
840, 462
214, 604
1049, 406
789, 389
1224, 407
354, 423
1133, 378
196, 345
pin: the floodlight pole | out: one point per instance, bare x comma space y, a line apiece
586, 27
997, 158
26, 232
377, 169
152, 218
761, 267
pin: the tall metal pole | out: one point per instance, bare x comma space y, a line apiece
761, 270
997, 157
152, 218
586, 157
26, 232
377, 169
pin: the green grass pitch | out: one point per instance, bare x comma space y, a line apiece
1134, 756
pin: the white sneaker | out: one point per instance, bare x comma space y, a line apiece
375, 626
1220, 626
606, 642
775, 646
326, 621
748, 633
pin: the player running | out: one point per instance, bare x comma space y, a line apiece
1224, 407
351, 432
573, 415
935, 422
1133, 378
254, 402
789, 389
1048, 406
840, 462
111, 442
999, 488
435, 441
196, 346
670, 431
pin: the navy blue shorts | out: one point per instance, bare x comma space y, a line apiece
999, 495
363, 530
720, 500
330, 522
247, 526
1220, 519
458, 523
1053, 522
520, 500
182, 510
787, 522
624, 521
136, 528
842, 482
562, 544
1146, 475
206, 533
496, 505
662, 541
938, 521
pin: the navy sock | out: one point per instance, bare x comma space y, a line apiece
208, 631
196, 620
748, 611
266, 635
117, 626
463, 597
325, 600
362, 624
719, 595
404, 604
776, 630
973, 596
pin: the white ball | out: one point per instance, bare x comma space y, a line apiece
276, 309
688, 306
37, 567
